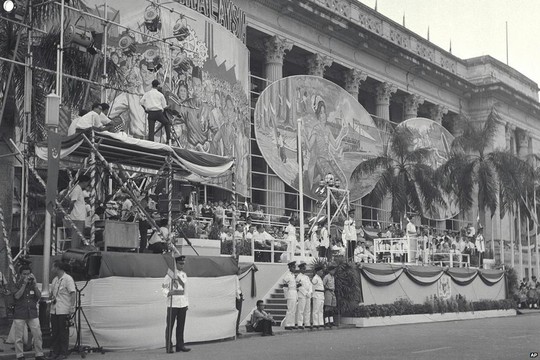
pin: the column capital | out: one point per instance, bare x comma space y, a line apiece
318, 63
437, 112
412, 102
353, 78
384, 91
274, 48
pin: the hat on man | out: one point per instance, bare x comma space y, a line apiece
180, 258
318, 268
292, 263
331, 267
302, 265
352, 211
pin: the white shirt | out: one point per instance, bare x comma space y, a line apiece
262, 237
62, 289
318, 287
290, 280
325, 240
306, 289
178, 301
153, 100
155, 238
91, 119
349, 231
480, 243
126, 208
78, 212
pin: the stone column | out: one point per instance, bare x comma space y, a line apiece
411, 105
437, 112
522, 143
318, 63
384, 91
353, 78
274, 49
509, 137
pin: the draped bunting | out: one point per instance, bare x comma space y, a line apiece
386, 274
126, 150
381, 274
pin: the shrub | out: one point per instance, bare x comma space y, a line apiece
431, 305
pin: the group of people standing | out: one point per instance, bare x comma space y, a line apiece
311, 303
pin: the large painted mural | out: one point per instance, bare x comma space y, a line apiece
430, 134
337, 133
204, 74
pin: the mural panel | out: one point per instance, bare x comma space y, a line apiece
337, 133
204, 74
431, 134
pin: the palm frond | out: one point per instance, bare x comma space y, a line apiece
370, 166
487, 186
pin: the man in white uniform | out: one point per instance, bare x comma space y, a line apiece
318, 297
291, 239
291, 294
78, 210
303, 309
349, 234
480, 245
174, 288
325, 242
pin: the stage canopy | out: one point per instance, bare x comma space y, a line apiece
119, 148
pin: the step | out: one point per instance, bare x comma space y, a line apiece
272, 307
276, 301
277, 296
278, 291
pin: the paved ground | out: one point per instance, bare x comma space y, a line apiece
503, 338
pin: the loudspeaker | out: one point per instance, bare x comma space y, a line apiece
85, 264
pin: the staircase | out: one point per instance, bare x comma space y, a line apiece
276, 305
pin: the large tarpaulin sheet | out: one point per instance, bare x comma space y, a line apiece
129, 313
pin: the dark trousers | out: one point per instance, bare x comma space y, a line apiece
351, 245
144, 226
323, 252
239, 308
264, 326
179, 316
154, 116
60, 334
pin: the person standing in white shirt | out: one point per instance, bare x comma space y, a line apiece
480, 245
77, 211
349, 236
291, 239
154, 103
62, 308
318, 297
174, 288
291, 294
325, 242
303, 309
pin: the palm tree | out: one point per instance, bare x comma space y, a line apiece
14, 43
497, 176
404, 173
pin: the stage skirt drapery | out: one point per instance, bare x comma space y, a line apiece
386, 283
128, 313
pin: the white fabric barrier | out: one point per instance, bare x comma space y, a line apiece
129, 313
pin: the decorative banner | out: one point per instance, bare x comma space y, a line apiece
444, 290
430, 134
204, 75
337, 133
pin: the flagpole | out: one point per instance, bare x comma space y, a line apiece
536, 233
300, 187
519, 242
529, 252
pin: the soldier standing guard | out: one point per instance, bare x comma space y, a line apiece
291, 294
174, 287
330, 302
318, 297
349, 234
303, 310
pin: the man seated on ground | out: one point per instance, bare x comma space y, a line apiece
156, 243
261, 320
